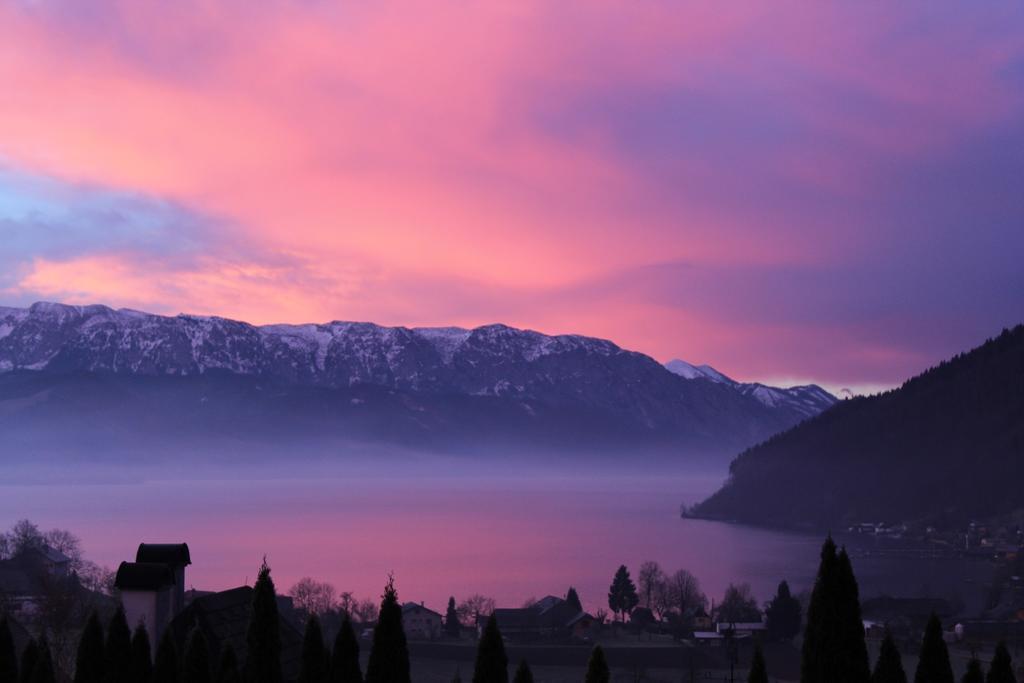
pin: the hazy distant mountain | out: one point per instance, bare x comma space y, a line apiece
945, 447
103, 377
805, 400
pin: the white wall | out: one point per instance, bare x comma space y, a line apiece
141, 606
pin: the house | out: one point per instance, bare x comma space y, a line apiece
33, 574
701, 620
224, 620
153, 587
549, 617
740, 629
904, 616
983, 631
54, 562
419, 622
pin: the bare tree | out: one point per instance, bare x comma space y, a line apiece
650, 577
684, 594
475, 606
67, 543
365, 611
96, 578
312, 596
22, 536
346, 602
738, 604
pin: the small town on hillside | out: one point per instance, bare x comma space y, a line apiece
656, 627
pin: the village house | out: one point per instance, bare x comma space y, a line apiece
152, 590
420, 623
549, 618
223, 618
27, 578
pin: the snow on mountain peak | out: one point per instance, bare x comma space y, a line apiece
689, 371
805, 400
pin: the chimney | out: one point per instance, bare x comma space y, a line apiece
153, 587
176, 556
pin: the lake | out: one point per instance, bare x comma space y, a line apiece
507, 532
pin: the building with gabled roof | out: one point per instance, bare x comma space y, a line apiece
549, 617
224, 620
420, 622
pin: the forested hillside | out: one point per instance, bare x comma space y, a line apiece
946, 446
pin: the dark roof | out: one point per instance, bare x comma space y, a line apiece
173, 554
417, 607
51, 554
144, 576
547, 602
224, 618
559, 616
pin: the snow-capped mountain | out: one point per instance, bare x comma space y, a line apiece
343, 379
807, 400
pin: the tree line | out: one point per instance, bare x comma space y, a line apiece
834, 648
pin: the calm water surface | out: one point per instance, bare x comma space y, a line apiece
509, 535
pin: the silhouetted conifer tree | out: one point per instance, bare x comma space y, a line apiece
491, 661
43, 671
834, 650
8, 654
783, 614
1001, 669
165, 665
758, 672
622, 595
315, 663
195, 662
142, 656
889, 667
227, 668
389, 653
345, 658
974, 674
263, 639
29, 657
451, 620
856, 664
91, 652
523, 673
573, 599
597, 667
117, 657
818, 633
933, 665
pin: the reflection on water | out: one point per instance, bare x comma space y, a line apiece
509, 535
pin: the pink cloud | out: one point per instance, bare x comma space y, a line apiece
385, 161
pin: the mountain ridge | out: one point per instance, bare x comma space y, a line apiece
446, 378
806, 399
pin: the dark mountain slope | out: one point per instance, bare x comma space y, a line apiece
946, 446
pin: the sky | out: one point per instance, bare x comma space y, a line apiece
789, 191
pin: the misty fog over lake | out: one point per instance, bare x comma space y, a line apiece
444, 526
